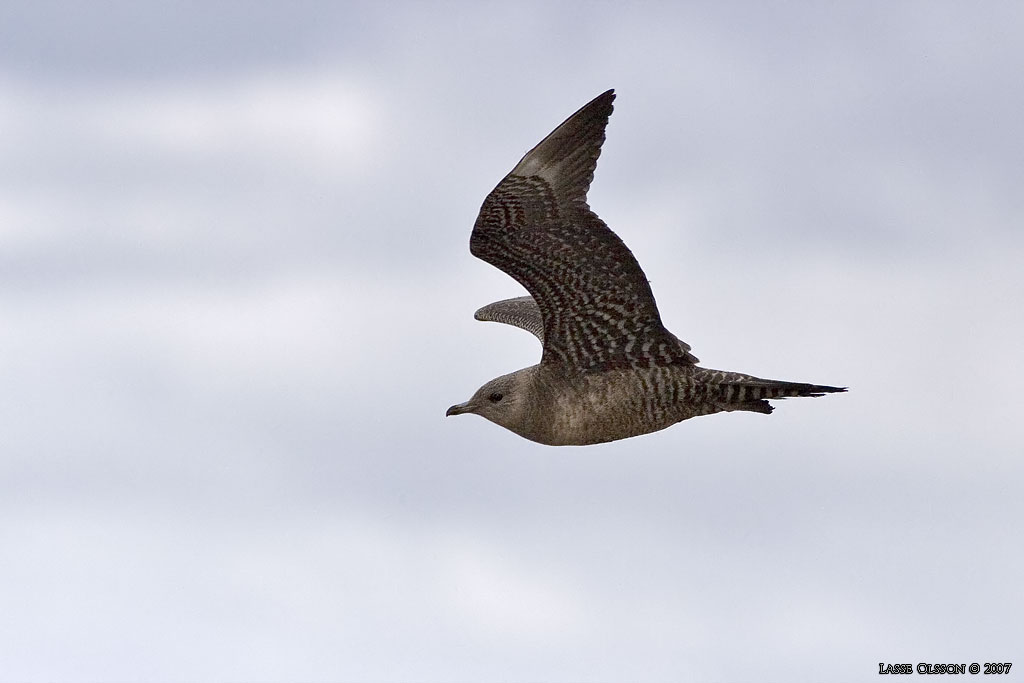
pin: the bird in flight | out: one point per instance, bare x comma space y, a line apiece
609, 369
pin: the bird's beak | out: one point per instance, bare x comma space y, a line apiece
457, 409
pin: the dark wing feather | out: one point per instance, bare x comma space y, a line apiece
597, 308
523, 312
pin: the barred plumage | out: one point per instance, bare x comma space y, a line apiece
609, 369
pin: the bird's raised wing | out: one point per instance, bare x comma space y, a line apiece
521, 312
596, 306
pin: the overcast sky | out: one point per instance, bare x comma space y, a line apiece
236, 298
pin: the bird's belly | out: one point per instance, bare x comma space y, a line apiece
601, 407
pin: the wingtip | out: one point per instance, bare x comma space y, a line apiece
567, 157
606, 98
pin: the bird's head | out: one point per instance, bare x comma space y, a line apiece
504, 401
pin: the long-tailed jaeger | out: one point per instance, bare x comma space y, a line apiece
609, 369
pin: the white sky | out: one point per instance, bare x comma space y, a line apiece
236, 298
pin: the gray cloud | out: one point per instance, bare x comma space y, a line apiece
236, 298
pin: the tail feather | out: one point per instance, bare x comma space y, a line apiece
762, 406
759, 389
744, 392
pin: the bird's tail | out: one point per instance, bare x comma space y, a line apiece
737, 391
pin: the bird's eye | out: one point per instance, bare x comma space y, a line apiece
495, 397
